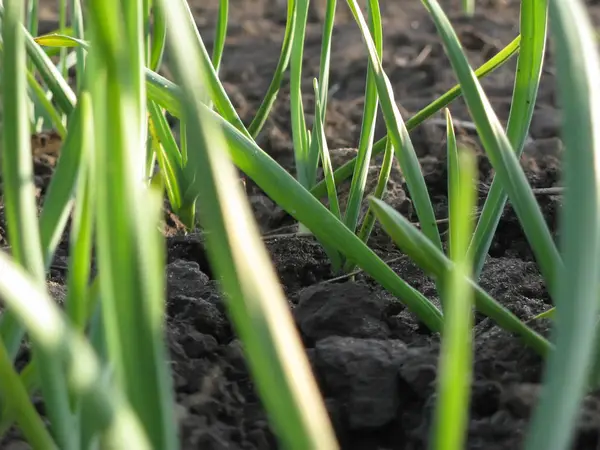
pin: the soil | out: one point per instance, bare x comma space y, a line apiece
375, 363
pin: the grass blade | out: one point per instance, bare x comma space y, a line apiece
322, 94
325, 61
303, 162
60, 194
169, 157
454, 180
220, 34
433, 261
255, 301
284, 57
382, 181
566, 375
346, 170
78, 31
61, 92
398, 133
16, 402
159, 36
48, 329
528, 73
42, 104
81, 233
21, 215
455, 366
320, 141
130, 249
501, 154
217, 92
284, 190
367, 132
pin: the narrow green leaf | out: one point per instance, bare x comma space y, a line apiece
575, 327
61, 91
220, 34
284, 190
454, 178
433, 261
78, 31
21, 215
398, 133
255, 300
456, 353
529, 69
169, 157
321, 143
62, 26
61, 41
159, 36
49, 330
549, 314
128, 242
81, 233
284, 57
16, 402
380, 189
501, 154
345, 171
322, 94
367, 132
299, 132
60, 193
324, 154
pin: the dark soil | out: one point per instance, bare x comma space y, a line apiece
375, 364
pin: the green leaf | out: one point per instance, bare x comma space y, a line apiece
302, 156
284, 190
21, 216
398, 133
284, 57
130, 248
321, 142
528, 73
345, 171
433, 261
566, 376
60, 41
456, 353
254, 299
500, 153
367, 132
49, 330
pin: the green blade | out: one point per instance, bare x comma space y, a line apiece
284, 190
456, 354
130, 249
21, 215
434, 262
284, 58
343, 172
566, 376
49, 330
399, 136
320, 141
500, 153
367, 132
302, 155
528, 73
255, 300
